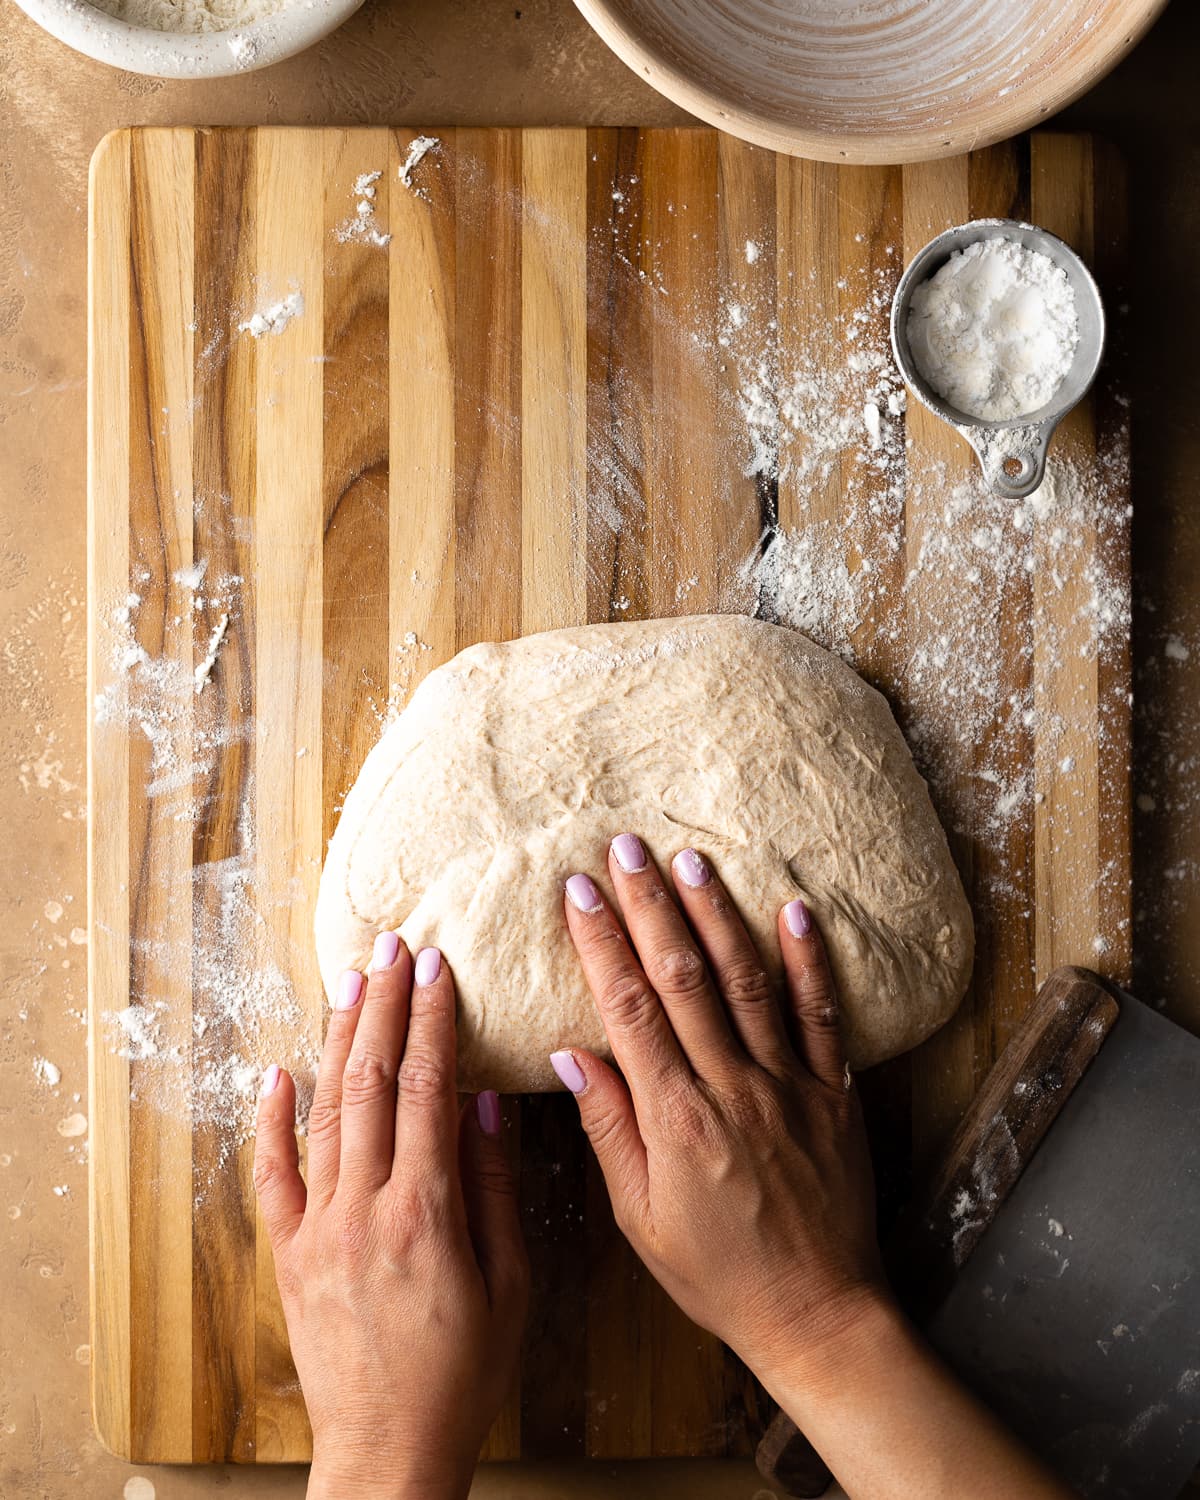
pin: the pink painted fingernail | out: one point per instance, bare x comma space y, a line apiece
797, 918
691, 868
383, 955
583, 893
270, 1081
570, 1074
629, 853
487, 1110
428, 965
349, 990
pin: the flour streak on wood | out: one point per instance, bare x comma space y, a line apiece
514, 415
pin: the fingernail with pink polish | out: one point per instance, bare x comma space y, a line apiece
270, 1081
691, 868
629, 853
570, 1074
487, 1111
797, 918
387, 946
349, 990
428, 965
583, 894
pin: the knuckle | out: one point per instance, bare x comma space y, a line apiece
289, 1278
757, 1110
424, 1076
352, 1235
627, 999
645, 894
602, 1128
386, 985
408, 1216
369, 1077
679, 971
268, 1170
719, 903
687, 1118
746, 982
815, 999
493, 1177
601, 938
324, 1118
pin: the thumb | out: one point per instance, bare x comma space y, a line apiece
607, 1113
490, 1197
277, 1179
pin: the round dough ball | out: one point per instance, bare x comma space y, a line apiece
514, 765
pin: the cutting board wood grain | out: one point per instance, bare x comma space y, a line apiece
492, 424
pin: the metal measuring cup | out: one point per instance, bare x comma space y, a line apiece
1012, 454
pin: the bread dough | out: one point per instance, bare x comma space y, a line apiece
514, 765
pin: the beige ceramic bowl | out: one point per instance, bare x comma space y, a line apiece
871, 80
290, 28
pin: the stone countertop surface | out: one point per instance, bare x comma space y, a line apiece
458, 61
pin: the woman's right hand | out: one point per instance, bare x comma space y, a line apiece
733, 1149
737, 1162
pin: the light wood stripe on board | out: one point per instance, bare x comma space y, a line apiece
160, 850
421, 319
288, 847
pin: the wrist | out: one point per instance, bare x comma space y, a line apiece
375, 1475
821, 1350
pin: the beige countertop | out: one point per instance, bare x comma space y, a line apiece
457, 61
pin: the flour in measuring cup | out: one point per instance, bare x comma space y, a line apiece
995, 330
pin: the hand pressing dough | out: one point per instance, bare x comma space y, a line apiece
514, 765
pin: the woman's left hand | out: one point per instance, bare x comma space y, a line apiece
401, 1266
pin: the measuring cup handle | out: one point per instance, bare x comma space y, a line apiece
1013, 459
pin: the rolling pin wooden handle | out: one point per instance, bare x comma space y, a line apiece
1032, 1079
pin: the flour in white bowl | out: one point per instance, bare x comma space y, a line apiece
995, 330
194, 16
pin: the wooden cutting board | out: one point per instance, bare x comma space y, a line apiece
516, 413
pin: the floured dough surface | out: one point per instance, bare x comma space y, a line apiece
514, 765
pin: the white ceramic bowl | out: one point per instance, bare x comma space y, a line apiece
874, 81
297, 24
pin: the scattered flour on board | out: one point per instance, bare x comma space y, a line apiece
211, 1002
362, 226
275, 317
419, 148
203, 670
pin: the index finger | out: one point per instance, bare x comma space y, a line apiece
641, 1037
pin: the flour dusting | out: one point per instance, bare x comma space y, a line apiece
418, 150
212, 1001
362, 226
275, 317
